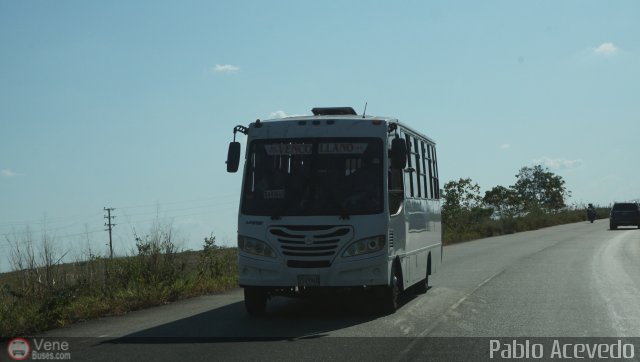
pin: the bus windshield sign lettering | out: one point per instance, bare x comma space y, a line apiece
279, 149
342, 148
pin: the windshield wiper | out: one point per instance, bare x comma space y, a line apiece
278, 212
344, 213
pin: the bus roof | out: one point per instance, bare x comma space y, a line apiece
344, 117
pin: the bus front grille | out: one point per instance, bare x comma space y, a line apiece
310, 245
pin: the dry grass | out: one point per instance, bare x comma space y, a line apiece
42, 293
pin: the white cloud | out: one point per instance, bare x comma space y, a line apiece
606, 49
225, 68
278, 114
505, 146
282, 114
558, 163
8, 173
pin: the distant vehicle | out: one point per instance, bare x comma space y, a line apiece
591, 213
336, 201
624, 214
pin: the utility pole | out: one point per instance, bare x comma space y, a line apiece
109, 226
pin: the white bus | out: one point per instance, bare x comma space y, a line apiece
336, 200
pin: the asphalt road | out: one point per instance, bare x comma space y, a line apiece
576, 280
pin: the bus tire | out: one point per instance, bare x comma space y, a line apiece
423, 285
391, 293
255, 301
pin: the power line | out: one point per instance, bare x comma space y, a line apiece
57, 236
209, 206
47, 220
172, 210
85, 217
212, 198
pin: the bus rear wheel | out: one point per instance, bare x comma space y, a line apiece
423, 285
255, 301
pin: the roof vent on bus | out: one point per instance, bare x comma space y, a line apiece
331, 111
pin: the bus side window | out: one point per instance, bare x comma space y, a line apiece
436, 182
433, 172
410, 171
418, 172
430, 175
424, 175
396, 187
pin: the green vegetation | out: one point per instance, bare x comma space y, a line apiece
42, 293
536, 200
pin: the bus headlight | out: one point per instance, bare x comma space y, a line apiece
255, 246
365, 246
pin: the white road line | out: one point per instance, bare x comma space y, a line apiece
615, 287
424, 333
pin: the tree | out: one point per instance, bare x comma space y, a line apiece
462, 194
462, 204
503, 200
538, 188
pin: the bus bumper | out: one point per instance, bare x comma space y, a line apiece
354, 273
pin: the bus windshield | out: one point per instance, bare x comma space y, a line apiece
313, 177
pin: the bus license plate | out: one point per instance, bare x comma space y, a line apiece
308, 280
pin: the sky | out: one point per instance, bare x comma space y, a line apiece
131, 104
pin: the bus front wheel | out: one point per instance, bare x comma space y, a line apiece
255, 301
390, 294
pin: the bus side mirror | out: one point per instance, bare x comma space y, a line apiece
398, 154
233, 156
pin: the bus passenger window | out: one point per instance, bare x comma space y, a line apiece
423, 176
436, 182
418, 181
396, 187
411, 173
396, 191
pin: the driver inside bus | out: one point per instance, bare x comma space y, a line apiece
270, 180
364, 184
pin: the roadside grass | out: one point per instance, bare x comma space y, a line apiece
45, 294
486, 227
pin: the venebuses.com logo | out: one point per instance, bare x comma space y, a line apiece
20, 349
